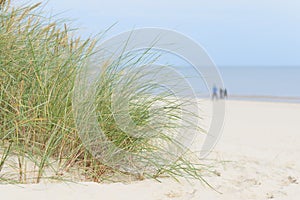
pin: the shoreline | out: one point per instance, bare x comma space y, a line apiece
266, 98
260, 98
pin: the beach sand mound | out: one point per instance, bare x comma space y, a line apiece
257, 157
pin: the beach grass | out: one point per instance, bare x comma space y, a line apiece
40, 59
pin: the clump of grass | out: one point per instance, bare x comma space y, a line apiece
140, 122
40, 59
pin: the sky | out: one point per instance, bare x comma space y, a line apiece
254, 43
233, 32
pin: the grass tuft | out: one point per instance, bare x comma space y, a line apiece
40, 59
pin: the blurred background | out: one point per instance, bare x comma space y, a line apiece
255, 44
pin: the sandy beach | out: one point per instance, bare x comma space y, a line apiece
257, 157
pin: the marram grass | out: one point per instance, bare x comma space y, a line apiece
39, 61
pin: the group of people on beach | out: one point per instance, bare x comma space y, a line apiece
222, 93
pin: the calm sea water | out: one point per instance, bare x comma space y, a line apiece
262, 81
278, 81
256, 83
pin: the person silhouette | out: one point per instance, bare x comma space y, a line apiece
221, 93
225, 93
215, 93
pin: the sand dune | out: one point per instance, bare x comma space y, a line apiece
257, 157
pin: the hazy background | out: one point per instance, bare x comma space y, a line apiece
255, 43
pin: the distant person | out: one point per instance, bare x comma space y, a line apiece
225, 94
215, 93
221, 93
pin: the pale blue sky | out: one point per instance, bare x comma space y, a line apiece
234, 32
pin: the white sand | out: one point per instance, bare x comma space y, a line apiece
258, 157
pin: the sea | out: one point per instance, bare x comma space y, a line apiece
262, 83
277, 84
